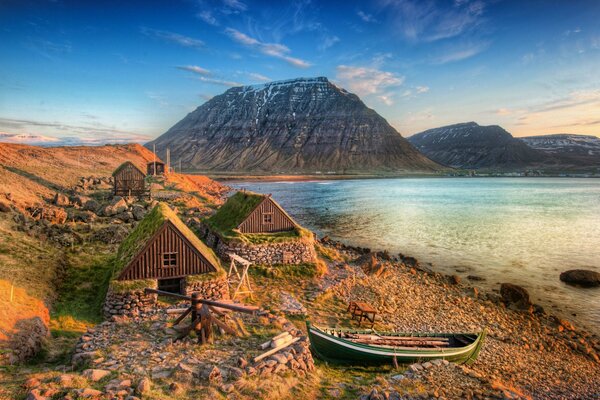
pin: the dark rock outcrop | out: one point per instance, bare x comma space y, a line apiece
582, 277
299, 126
515, 295
571, 150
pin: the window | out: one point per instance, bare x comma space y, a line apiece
267, 218
169, 260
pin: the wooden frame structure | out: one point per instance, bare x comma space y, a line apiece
267, 217
203, 315
362, 311
155, 168
241, 279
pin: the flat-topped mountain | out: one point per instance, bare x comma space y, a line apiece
472, 146
570, 149
298, 126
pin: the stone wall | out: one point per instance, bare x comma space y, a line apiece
28, 339
129, 304
212, 289
292, 252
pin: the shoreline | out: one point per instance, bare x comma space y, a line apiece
320, 178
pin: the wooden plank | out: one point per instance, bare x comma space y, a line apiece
182, 316
275, 350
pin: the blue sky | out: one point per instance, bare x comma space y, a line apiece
119, 71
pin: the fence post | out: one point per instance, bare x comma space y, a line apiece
196, 305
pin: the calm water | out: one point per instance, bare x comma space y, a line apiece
519, 230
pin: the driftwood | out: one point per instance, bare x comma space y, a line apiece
275, 350
276, 340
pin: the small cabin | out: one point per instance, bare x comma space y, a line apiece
248, 212
163, 248
129, 180
155, 168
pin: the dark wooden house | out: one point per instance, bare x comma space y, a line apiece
162, 247
129, 180
248, 212
155, 168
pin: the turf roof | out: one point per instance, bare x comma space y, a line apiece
147, 227
235, 210
120, 167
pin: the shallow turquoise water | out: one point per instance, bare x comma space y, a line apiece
520, 230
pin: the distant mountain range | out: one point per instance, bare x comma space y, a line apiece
298, 126
472, 146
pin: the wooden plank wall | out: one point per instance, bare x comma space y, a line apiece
129, 179
254, 222
149, 264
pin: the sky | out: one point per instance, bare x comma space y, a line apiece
81, 72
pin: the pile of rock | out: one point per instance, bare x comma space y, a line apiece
296, 358
28, 339
212, 289
292, 252
93, 183
130, 304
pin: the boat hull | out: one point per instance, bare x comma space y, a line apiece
338, 350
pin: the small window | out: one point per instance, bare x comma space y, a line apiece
169, 260
267, 218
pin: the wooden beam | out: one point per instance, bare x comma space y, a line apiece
275, 350
163, 293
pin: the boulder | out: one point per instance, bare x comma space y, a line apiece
514, 294
4, 207
61, 199
91, 205
144, 386
95, 375
111, 234
581, 277
138, 212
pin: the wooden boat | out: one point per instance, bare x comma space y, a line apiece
369, 347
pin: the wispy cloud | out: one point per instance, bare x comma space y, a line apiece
259, 77
270, 49
366, 17
235, 5
65, 134
173, 37
195, 69
428, 20
366, 81
422, 89
48, 49
208, 17
327, 42
461, 53
219, 82
160, 99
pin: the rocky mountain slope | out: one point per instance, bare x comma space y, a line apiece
570, 149
472, 146
299, 126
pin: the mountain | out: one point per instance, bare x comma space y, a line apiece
472, 146
298, 126
570, 149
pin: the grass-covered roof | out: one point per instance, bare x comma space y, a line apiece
126, 163
147, 227
235, 210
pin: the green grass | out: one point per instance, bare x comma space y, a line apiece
233, 212
81, 291
287, 271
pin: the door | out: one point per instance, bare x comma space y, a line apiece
170, 285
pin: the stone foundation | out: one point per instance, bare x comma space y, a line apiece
292, 252
129, 304
212, 289
27, 341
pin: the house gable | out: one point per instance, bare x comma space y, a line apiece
128, 179
168, 254
267, 217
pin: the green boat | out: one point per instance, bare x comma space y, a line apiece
369, 347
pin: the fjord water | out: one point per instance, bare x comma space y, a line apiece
520, 230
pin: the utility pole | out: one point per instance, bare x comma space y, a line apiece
154, 161
168, 160
180, 166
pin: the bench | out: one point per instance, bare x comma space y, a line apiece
362, 311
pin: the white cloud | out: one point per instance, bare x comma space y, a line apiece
422, 89
366, 81
366, 17
195, 69
235, 5
172, 37
208, 17
503, 111
270, 49
259, 77
327, 42
427, 20
461, 53
219, 82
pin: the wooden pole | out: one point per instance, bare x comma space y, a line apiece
154, 160
275, 350
195, 308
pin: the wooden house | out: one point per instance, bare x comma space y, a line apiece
247, 212
129, 180
155, 168
163, 248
